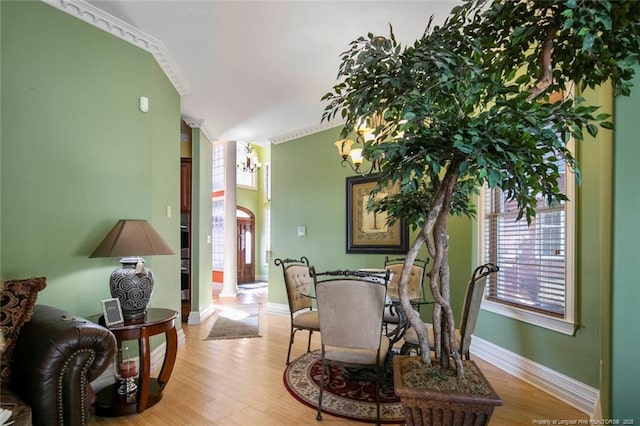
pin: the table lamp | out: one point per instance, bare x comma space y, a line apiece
132, 283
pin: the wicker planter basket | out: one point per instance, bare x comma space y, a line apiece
432, 407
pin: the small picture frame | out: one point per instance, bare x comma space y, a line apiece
112, 312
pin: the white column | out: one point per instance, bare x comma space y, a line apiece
230, 281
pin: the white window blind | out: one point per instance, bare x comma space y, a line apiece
535, 283
531, 257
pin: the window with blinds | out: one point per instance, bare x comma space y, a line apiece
535, 283
531, 257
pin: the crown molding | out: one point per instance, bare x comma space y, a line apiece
193, 122
199, 123
106, 22
306, 131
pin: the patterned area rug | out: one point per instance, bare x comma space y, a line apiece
351, 399
236, 322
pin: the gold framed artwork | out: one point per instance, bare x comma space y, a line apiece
368, 232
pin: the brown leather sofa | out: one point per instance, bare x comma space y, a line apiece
55, 358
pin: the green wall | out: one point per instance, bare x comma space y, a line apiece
593, 233
624, 325
309, 189
78, 154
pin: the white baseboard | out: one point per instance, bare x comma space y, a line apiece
157, 358
197, 317
577, 394
597, 409
277, 309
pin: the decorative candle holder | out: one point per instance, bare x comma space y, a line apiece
126, 371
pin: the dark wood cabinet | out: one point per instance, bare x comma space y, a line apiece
185, 185
185, 237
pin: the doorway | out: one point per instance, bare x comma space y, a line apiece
246, 245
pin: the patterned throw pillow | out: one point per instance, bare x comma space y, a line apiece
18, 299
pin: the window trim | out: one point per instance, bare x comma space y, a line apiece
534, 318
568, 324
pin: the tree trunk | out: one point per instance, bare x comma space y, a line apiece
434, 234
405, 303
439, 276
442, 243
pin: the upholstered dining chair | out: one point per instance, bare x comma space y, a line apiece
416, 279
468, 319
417, 295
299, 286
350, 306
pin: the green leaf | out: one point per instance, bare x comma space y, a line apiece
587, 42
409, 116
494, 179
463, 147
568, 23
605, 21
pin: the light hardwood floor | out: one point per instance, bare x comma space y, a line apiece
239, 382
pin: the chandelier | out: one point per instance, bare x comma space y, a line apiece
352, 156
249, 161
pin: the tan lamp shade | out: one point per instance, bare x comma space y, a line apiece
344, 147
132, 237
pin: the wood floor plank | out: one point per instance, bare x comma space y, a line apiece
238, 382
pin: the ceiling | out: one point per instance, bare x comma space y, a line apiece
255, 70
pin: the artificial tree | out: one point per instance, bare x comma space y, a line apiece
469, 104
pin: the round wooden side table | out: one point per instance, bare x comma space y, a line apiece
109, 403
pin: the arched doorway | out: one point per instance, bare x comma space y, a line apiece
246, 245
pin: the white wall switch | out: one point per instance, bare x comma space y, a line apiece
302, 231
144, 104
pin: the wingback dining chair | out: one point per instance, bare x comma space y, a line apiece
416, 279
415, 287
468, 318
299, 286
350, 306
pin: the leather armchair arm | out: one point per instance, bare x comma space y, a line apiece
55, 358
